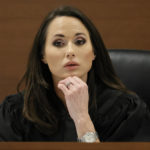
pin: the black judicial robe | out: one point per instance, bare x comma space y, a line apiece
119, 117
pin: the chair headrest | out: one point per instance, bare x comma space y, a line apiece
133, 68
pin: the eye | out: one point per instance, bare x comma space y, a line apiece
58, 43
80, 41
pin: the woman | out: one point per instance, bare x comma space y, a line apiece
71, 90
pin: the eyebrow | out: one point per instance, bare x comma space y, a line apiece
61, 35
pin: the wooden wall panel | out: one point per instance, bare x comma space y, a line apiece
122, 24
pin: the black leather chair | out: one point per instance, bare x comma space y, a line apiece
133, 68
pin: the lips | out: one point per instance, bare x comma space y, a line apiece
71, 63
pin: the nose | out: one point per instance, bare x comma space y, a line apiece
70, 55
70, 52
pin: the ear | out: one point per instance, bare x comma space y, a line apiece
44, 60
94, 57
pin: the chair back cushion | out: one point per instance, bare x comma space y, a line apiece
133, 68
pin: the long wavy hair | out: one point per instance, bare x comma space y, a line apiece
38, 84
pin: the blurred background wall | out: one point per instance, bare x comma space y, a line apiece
122, 24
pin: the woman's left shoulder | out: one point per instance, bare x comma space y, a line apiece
115, 99
119, 115
131, 101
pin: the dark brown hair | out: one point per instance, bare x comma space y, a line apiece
39, 90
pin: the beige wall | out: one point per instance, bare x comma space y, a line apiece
122, 23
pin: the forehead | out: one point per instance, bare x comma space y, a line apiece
67, 26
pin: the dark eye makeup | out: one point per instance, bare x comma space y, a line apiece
61, 43
80, 41
58, 43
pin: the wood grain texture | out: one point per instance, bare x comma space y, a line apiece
74, 146
122, 24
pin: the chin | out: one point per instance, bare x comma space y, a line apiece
70, 75
81, 75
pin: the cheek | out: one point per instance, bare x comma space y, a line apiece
50, 58
51, 54
88, 53
89, 56
53, 59
87, 60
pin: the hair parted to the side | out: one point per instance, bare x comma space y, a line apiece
38, 100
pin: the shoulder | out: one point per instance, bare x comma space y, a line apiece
11, 116
111, 99
13, 99
12, 104
119, 115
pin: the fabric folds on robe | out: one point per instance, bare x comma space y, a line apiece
119, 117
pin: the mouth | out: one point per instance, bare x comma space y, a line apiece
71, 65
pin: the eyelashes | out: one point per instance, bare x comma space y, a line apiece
61, 43
80, 42
58, 43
